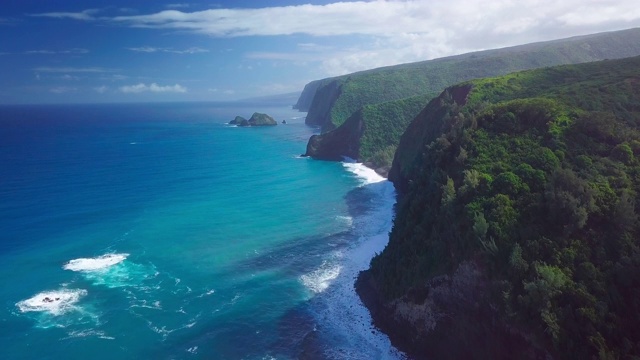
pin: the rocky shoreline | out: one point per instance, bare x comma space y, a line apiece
451, 317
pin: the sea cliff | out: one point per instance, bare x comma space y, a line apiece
516, 227
367, 97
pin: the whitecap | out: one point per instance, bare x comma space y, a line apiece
112, 271
348, 220
320, 279
96, 263
86, 333
54, 302
207, 293
365, 174
340, 309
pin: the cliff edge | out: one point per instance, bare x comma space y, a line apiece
385, 96
516, 227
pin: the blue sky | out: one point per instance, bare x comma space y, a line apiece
67, 51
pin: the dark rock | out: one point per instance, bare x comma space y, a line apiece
237, 120
257, 119
338, 143
451, 317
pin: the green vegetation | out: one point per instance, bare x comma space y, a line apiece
335, 100
371, 134
384, 125
533, 176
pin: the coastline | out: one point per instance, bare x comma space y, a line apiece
345, 309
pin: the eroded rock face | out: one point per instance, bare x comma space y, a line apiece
451, 317
336, 144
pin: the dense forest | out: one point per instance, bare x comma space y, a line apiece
531, 179
385, 98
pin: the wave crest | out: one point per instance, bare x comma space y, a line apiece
96, 263
320, 279
55, 302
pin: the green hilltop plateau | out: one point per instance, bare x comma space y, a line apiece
516, 232
352, 109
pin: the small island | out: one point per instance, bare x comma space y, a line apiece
257, 119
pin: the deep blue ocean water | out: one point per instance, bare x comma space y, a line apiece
156, 231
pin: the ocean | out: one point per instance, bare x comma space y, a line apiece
157, 231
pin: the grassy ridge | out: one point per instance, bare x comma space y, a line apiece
533, 176
337, 99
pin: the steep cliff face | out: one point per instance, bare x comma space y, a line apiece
323, 101
450, 317
336, 144
337, 99
516, 231
306, 97
370, 135
424, 129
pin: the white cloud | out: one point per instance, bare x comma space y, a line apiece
141, 87
62, 89
101, 89
401, 31
86, 15
147, 49
47, 69
391, 31
150, 49
287, 56
55, 52
114, 77
388, 18
69, 77
8, 21
176, 6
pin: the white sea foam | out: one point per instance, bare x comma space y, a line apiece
87, 333
111, 270
365, 174
207, 293
54, 302
341, 307
348, 220
93, 264
320, 279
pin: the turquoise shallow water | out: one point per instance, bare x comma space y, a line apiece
158, 231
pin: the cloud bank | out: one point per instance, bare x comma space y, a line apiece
392, 31
150, 49
155, 88
47, 69
391, 18
86, 15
